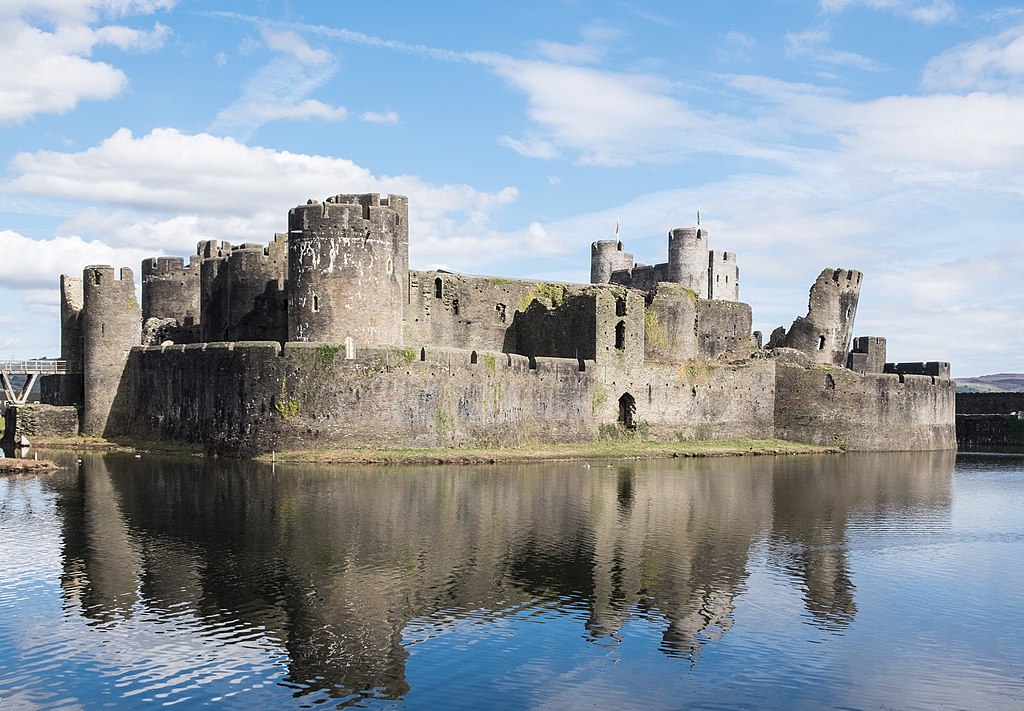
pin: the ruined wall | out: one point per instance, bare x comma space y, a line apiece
111, 326
824, 333
347, 267
693, 400
835, 406
723, 327
67, 389
459, 311
246, 398
670, 324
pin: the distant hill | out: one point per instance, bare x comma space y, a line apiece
998, 383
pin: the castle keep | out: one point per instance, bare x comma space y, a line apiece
326, 338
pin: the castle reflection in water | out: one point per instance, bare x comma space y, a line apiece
334, 566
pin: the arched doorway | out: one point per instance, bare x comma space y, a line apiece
627, 411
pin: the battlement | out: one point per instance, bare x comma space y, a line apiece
212, 249
939, 369
104, 274
845, 279
867, 355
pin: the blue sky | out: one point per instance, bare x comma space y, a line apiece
880, 135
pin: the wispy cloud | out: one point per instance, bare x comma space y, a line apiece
813, 44
989, 64
928, 12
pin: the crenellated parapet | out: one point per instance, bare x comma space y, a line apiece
348, 259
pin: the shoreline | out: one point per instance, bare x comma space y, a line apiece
601, 450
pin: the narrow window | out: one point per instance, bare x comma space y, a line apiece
455, 306
499, 313
423, 353
472, 358
437, 288
316, 303
821, 343
620, 335
97, 278
620, 306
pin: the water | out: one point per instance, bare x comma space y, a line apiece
840, 581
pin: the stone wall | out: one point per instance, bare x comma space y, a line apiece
989, 403
248, 398
835, 406
694, 400
990, 430
38, 423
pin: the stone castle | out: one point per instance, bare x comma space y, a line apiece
326, 338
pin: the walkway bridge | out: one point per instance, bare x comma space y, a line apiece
33, 369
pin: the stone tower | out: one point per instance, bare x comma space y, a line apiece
348, 261
825, 332
606, 256
688, 259
111, 326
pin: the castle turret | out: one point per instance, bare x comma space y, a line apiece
606, 256
688, 259
348, 259
170, 289
825, 332
111, 326
213, 292
723, 276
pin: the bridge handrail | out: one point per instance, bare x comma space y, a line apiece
41, 367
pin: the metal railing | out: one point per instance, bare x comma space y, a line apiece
40, 367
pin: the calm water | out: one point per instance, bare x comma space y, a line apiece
854, 581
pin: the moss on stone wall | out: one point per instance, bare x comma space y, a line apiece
654, 332
550, 295
286, 406
696, 372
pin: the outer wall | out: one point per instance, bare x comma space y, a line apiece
244, 399
835, 406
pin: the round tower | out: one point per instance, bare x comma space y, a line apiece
688, 259
606, 256
111, 326
348, 263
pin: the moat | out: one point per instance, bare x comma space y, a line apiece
822, 581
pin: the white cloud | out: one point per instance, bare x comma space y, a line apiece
735, 46
310, 108
56, 256
278, 89
928, 12
293, 44
812, 43
533, 147
390, 117
49, 71
165, 191
597, 41
989, 64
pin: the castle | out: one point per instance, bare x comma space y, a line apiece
326, 338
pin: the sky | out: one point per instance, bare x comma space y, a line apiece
885, 136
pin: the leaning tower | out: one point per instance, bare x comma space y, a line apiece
348, 262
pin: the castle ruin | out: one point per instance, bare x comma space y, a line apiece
326, 338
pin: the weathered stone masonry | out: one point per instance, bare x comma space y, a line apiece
326, 338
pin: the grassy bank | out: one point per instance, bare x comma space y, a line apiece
602, 450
